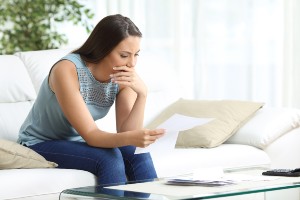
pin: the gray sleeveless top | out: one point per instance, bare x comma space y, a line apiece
46, 120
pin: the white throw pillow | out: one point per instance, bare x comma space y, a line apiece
15, 83
38, 63
266, 126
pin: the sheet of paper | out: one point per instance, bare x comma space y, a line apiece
217, 174
173, 125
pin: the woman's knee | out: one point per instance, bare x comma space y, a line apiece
111, 168
111, 161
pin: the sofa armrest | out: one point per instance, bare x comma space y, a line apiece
266, 126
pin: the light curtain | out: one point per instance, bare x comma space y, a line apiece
222, 49
291, 71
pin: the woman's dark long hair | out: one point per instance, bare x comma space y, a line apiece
108, 33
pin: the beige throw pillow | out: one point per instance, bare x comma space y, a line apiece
15, 156
228, 116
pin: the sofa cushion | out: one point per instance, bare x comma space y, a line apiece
228, 116
28, 183
12, 116
15, 83
15, 156
38, 63
266, 126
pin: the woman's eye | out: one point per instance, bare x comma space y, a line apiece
124, 56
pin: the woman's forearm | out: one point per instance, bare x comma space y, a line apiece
99, 138
135, 119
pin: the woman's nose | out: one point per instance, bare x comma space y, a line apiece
131, 62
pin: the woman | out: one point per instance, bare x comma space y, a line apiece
80, 89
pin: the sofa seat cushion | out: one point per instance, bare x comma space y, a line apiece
29, 182
185, 161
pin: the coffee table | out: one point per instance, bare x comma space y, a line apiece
158, 189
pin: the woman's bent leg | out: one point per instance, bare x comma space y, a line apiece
137, 166
106, 163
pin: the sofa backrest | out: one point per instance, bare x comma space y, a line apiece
21, 75
16, 95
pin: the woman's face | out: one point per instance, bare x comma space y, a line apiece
124, 54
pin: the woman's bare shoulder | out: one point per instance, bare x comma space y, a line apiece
63, 71
63, 65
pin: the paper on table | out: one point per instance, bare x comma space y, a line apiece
215, 176
173, 125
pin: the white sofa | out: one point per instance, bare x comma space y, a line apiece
270, 138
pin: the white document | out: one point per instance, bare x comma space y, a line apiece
216, 174
173, 125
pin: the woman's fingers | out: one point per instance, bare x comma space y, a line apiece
128, 77
158, 131
153, 135
122, 73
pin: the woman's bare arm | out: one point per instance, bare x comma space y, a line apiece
131, 100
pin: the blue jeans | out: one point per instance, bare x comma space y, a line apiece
110, 165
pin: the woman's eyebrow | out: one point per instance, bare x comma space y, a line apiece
130, 52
